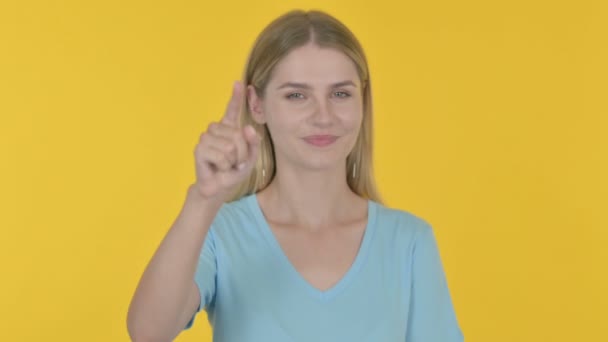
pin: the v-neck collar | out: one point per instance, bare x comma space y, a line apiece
346, 279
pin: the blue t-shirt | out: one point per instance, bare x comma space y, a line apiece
395, 290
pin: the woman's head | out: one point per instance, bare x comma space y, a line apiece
311, 66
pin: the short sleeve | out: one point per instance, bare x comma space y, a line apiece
205, 275
432, 317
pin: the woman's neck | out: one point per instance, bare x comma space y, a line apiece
314, 200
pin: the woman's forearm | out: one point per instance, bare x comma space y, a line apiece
165, 289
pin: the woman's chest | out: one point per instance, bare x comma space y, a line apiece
262, 290
266, 300
321, 259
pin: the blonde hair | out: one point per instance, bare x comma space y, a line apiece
291, 30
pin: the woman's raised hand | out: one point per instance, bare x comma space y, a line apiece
226, 153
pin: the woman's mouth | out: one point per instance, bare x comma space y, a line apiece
320, 140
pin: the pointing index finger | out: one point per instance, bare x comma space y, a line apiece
234, 105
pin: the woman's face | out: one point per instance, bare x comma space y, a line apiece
312, 91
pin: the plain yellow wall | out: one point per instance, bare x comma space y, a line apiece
490, 121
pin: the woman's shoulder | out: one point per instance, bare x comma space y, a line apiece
235, 224
233, 213
238, 205
401, 220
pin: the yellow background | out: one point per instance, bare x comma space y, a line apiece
491, 122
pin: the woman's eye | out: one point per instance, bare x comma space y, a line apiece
342, 94
295, 96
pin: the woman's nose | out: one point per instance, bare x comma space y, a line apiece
323, 111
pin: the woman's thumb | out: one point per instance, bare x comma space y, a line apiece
253, 141
252, 136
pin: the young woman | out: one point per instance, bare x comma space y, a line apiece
283, 236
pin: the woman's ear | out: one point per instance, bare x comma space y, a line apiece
255, 105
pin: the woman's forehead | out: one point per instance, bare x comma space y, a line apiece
315, 65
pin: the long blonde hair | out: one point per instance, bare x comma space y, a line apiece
291, 30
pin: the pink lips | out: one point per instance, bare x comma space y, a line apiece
320, 140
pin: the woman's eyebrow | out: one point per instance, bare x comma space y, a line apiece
307, 86
343, 84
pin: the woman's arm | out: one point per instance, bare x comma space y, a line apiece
167, 297
432, 317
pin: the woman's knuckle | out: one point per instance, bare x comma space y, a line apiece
230, 147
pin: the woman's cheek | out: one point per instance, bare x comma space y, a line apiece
351, 117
